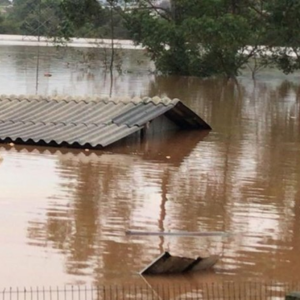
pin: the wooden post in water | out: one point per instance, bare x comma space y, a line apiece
144, 130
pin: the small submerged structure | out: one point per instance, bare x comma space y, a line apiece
90, 122
168, 264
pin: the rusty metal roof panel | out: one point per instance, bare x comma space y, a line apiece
95, 121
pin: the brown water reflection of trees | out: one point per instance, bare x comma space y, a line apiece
102, 192
255, 160
244, 177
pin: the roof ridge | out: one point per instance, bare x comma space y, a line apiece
91, 99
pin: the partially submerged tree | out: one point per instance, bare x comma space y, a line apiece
198, 37
283, 39
185, 37
39, 18
61, 19
4, 2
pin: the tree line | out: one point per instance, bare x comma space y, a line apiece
59, 18
184, 37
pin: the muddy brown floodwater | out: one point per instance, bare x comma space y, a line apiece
64, 212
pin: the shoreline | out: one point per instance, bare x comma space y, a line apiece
28, 40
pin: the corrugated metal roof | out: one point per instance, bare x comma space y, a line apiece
86, 121
168, 264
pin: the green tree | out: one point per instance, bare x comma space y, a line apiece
86, 16
64, 18
1, 23
4, 2
283, 33
6, 26
185, 37
43, 17
198, 37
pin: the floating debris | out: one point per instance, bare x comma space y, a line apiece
178, 233
168, 264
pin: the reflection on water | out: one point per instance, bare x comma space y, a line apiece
64, 212
47, 70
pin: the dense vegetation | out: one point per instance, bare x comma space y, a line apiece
59, 18
186, 37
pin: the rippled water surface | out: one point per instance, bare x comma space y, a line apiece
64, 213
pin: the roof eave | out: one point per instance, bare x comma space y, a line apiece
185, 118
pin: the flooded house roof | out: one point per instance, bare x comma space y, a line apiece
86, 121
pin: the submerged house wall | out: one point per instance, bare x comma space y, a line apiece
159, 126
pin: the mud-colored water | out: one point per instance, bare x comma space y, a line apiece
64, 213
